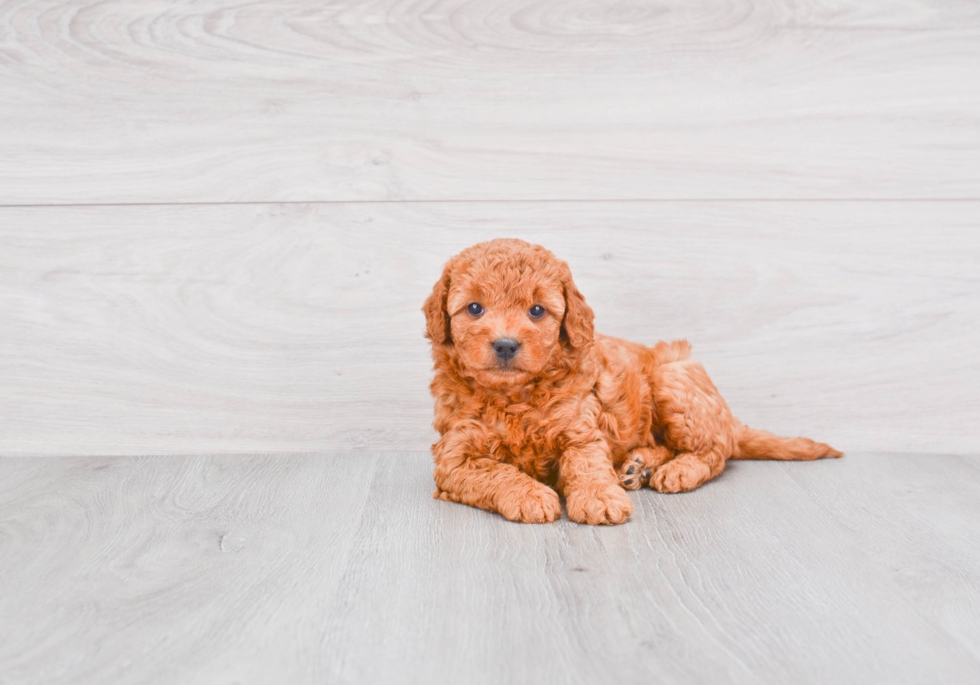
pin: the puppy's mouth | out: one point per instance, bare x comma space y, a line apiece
506, 365
503, 371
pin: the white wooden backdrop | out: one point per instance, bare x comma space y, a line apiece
218, 221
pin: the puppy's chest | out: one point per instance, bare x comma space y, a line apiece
526, 431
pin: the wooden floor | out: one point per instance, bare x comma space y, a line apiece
218, 223
341, 568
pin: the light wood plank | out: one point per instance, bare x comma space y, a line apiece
745, 580
298, 327
111, 102
341, 568
137, 570
916, 516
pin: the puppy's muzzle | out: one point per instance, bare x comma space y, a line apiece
505, 348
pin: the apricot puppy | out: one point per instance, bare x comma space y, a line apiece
530, 402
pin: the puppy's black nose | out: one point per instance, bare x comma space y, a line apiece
506, 348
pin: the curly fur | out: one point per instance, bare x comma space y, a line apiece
575, 413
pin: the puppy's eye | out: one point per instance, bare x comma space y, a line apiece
474, 309
536, 312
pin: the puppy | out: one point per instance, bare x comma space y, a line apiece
530, 402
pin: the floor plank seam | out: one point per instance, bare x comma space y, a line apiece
578, 200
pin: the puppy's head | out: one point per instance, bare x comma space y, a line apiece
509, 311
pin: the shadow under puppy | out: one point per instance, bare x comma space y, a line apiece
530, 400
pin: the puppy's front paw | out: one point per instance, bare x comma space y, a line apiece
536, 504
597, 505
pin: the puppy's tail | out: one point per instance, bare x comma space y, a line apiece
759, 444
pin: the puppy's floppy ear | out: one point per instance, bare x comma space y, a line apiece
436, 317
576, 326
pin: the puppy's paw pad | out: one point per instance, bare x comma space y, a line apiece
538, 505
610, 505
679, 476
632, 474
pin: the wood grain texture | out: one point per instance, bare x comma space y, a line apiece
341, 568
225, 329
933, 558
123, 102
152, 570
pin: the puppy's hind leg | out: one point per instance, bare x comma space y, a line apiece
635, 472
687, 471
